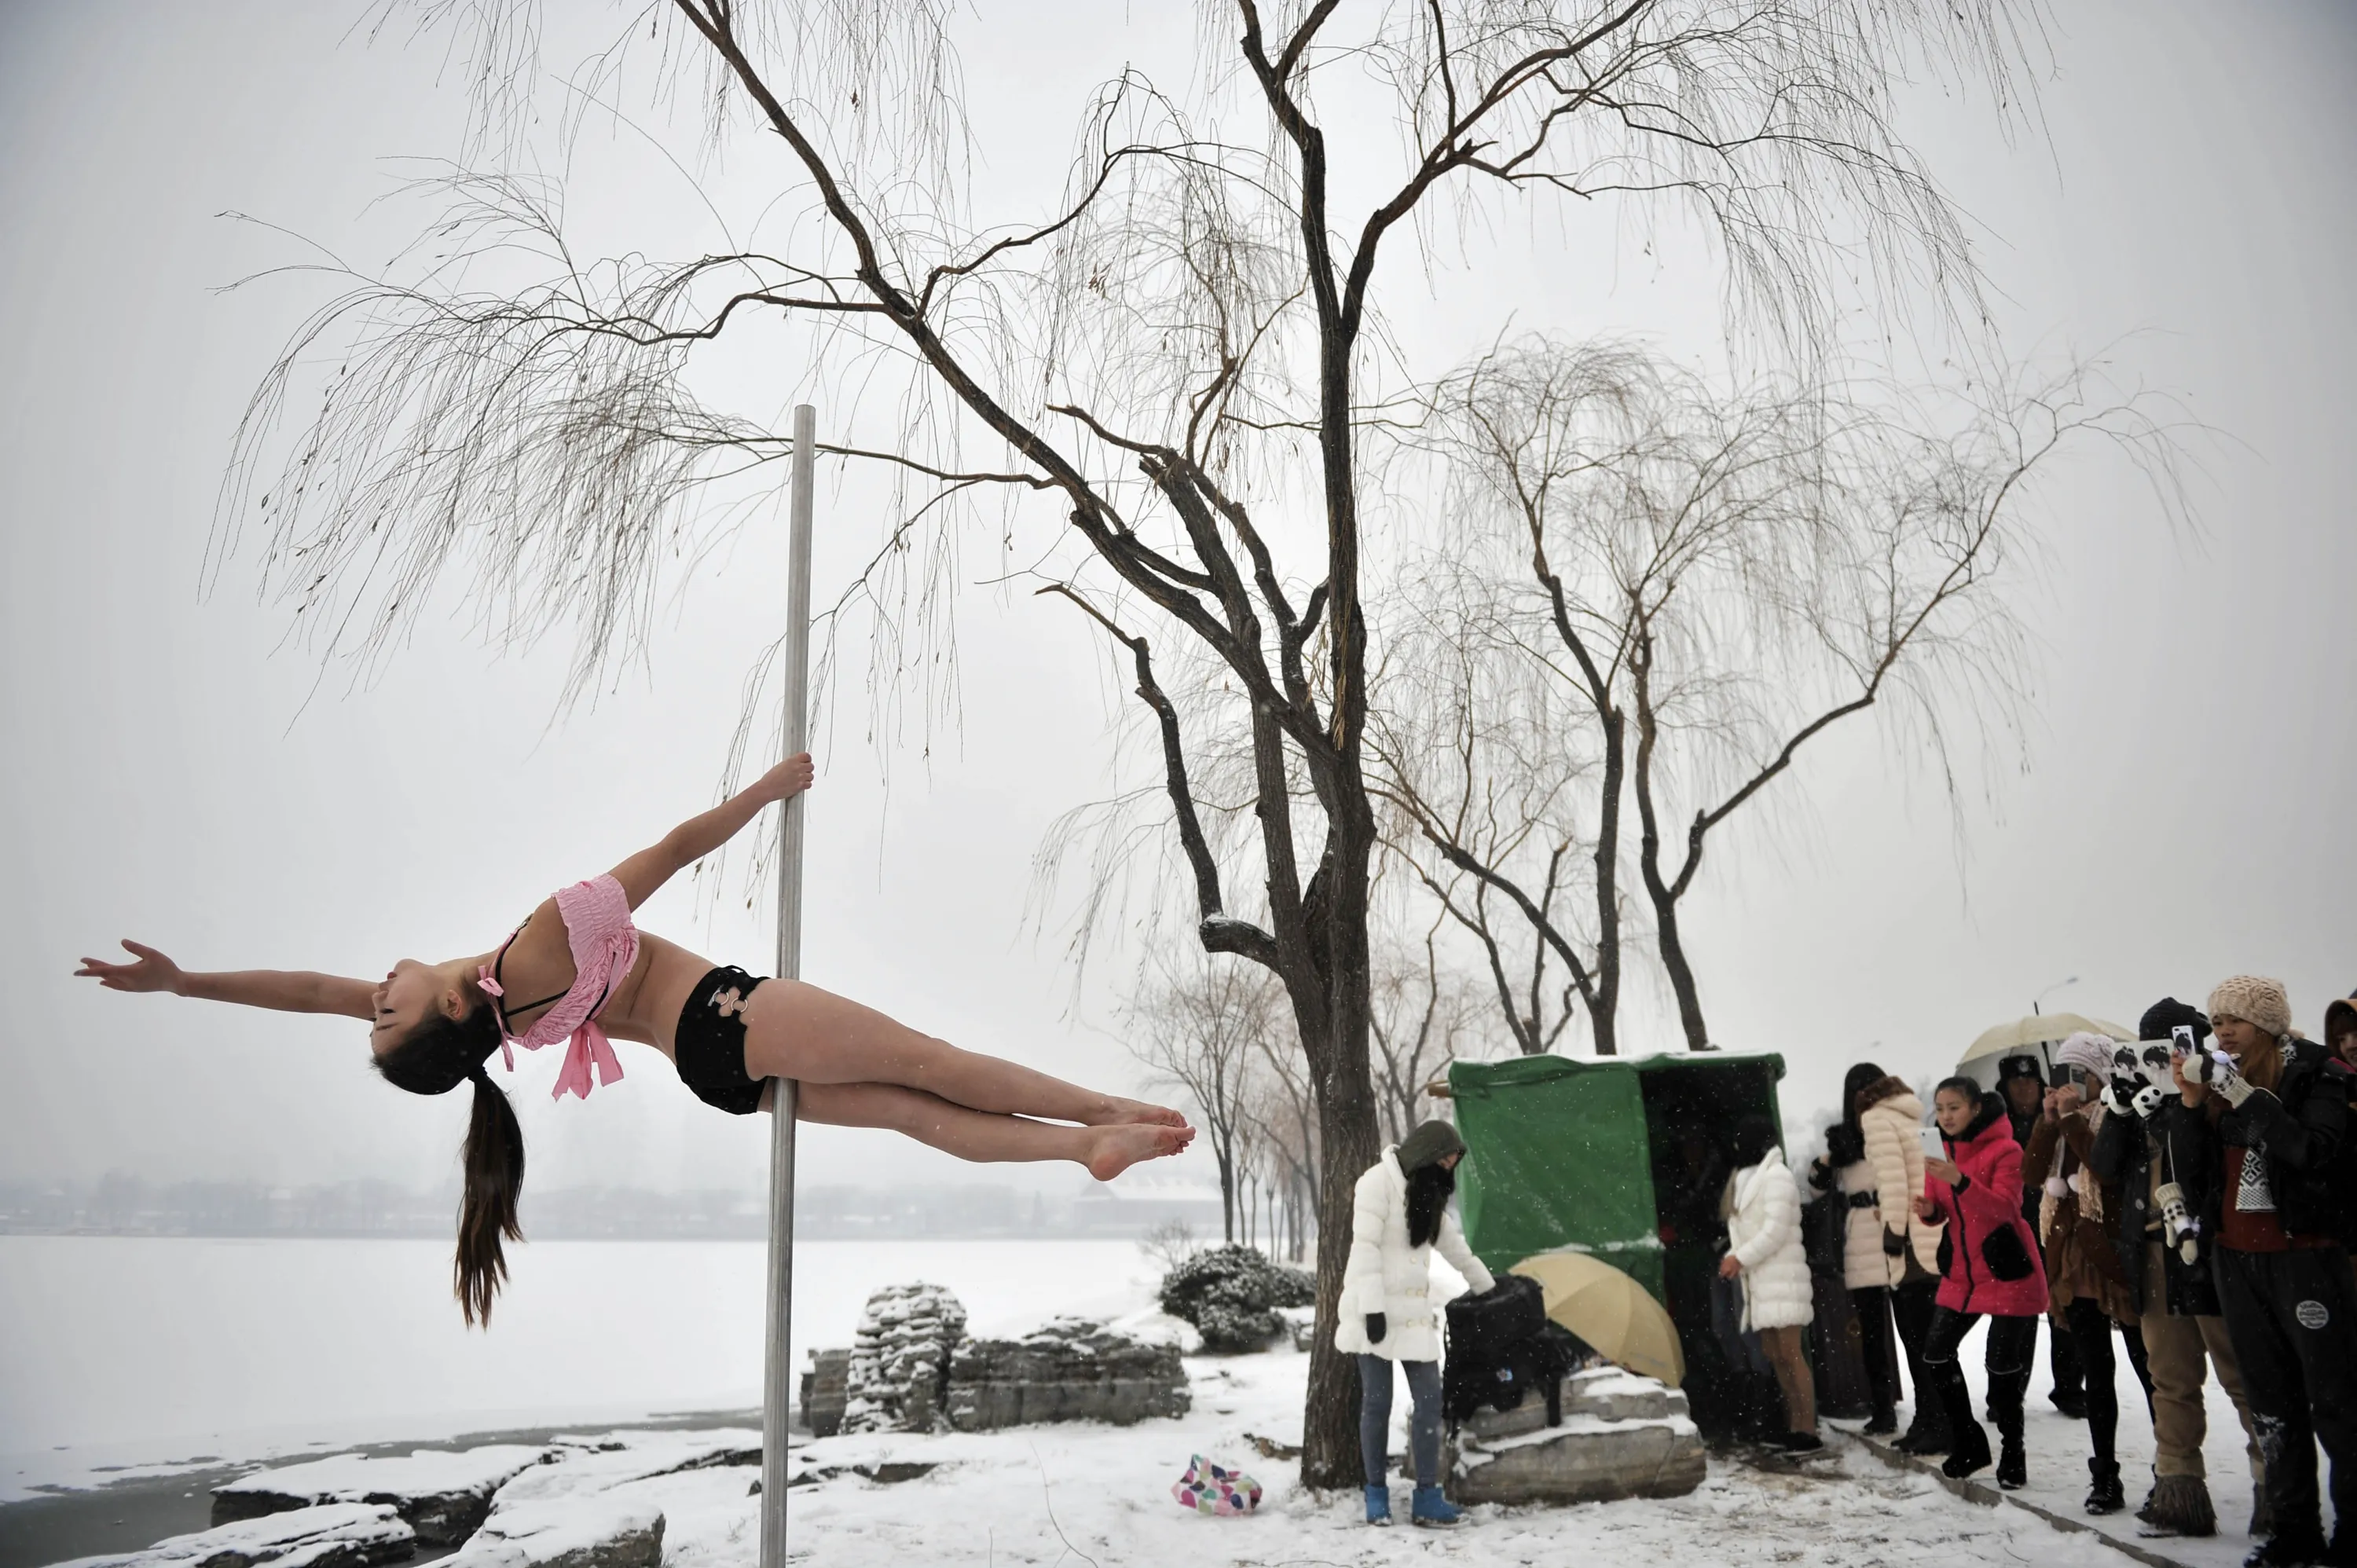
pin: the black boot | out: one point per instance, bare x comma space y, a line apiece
2105, 1496
2006, 1392
1882, 1423
2302, 1550
2012, 1464
1928, 1432
1968, 1448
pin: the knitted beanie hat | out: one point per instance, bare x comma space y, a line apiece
2255, 999
2166, 1014
1428, 1144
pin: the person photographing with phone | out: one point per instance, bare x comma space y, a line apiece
2171, 1266
1988, 1267
2259, 1145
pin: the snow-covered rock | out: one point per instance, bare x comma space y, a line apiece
588, 1465
1621, 1437
444, 1496
823, 1392
1157, 1327
900, 1359
1069, 1369
567, 1532
335, 1535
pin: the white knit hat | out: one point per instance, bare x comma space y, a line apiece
2255, 999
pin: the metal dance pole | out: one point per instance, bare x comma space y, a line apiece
777, 1371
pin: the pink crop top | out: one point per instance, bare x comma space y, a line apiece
597, 916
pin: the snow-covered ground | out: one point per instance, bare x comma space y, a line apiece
1089, 1494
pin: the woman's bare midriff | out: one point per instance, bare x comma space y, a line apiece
646, 1006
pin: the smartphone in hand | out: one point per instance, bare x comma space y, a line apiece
1935, 1147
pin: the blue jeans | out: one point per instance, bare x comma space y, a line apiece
1375, 1418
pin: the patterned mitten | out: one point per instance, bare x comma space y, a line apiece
2217, 1070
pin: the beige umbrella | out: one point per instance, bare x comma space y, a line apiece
2038, 1034
2038, 1028
1613, 1313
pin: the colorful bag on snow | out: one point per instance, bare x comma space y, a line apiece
1215, 1490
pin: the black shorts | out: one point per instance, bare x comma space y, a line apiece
710, 1041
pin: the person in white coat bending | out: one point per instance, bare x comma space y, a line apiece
1763, 1250
1399, 1214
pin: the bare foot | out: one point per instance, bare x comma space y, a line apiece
1113, 1110
1115, 1149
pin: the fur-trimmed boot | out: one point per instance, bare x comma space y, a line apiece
2177, 1505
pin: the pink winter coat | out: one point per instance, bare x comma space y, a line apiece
1978, 1216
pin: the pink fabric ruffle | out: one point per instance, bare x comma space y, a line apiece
596, 915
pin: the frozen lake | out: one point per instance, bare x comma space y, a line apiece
126, 1350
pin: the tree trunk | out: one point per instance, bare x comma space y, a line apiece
1329, 1418
1227, 1200
1344, 1086
1604, 1012
1673, 960
1649, 853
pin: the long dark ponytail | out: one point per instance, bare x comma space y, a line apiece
439, 1056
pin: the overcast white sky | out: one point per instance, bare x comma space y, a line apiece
176, 772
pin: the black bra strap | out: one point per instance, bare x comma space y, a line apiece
504, 1013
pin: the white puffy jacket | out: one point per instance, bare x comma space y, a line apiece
1863, 1266
1890, 1121
1764, 1232
1387, 1275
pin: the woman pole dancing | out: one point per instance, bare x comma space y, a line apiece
592, 974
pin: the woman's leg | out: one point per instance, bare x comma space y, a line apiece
1424, 1420
1376, 1417
2012, 1349
981, 1136
2132, 1341
1910, 1309
1873, 1309
1791, 1364
797, 1031
1968, 1444
2090, 1328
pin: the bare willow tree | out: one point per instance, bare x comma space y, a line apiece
1205, 1028
1486, 762
1283, 1113
1178, 359
1424, 1016
1730, 575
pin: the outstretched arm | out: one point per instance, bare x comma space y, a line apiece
699, 836
280, 990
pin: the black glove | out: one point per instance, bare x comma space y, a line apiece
1376, 1328
1894, 1242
